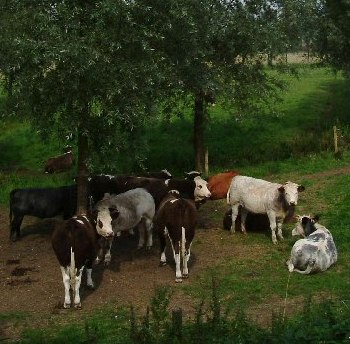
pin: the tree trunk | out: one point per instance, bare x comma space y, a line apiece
83, 173
198, 133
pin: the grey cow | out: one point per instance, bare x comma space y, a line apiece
315, 253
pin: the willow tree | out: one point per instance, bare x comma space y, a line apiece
83, 67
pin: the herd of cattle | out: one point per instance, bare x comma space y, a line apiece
159, 204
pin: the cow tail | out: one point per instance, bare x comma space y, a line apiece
183, 242
72, 271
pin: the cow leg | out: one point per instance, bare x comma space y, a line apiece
108, 246
162, 242
66, 284
77, 303
185, 259
16, 227
177, 257
279, 229
142, 233
89, 281
244, 214
272, 219
149, 227
234, 215
101, 250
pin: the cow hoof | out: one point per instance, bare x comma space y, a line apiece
178, 280
106, 262
162, 264
14, 237
91, 286
66, 305
185, 276
77, 305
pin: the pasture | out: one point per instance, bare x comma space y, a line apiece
295, 143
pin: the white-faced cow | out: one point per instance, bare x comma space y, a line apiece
176, 219
42, 203
123, 212
75, 243
60, 163
316, 252
195, 189
262, 197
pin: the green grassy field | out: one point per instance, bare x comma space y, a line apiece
294, 143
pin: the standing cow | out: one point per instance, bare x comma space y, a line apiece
176, 218
61, 162
219, 184
75, 243
315, 253
262, 197
42, 203
123, 212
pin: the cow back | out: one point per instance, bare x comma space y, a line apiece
219, 184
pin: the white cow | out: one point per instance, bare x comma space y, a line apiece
123, 212
262, 197
316, 252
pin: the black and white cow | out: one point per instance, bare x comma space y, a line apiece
123, 212
42, 203
316, 252
262, 197
163, 174
176, 218
195, 189
75, 243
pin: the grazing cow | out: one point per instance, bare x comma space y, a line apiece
42, 203
219, 184
262, 197
60, 163
123, 212
194, 189
75, 243
316, 252
176, 218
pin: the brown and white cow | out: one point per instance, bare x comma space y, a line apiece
61, 162
195, 189
176, 219
75, 243
219, 184
262, 197
123, 212
315, 253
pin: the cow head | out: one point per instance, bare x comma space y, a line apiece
291, 192
305, 225
201, 191
105, 216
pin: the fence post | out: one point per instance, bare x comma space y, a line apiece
177, 323
335, 136
206, 162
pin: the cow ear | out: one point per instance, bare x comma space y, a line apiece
106, 195
305, 220
114, 213
316, 218
281, 189
301, 188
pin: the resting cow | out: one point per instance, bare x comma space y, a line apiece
262, 197
75, 243
176, 218
316, 252
42, 203
60, 163
123, 212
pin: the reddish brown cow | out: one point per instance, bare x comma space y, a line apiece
61, 162
219, 184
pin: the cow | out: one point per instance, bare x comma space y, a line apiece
176, 218
61, 162
314, 253
42, 203
219, 184
163, 174
123, 212
259, 196
195, 189
75, 243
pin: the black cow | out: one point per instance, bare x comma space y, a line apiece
42, 203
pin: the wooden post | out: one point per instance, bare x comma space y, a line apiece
335, 136
177, 323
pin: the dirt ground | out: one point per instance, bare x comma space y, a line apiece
30, 277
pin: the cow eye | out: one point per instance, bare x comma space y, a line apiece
100, 224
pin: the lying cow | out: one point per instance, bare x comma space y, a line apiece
316, 252
195, 189
219, 184
75, 243
176, 218
42, 203
262, 197
123, 212
60, 163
